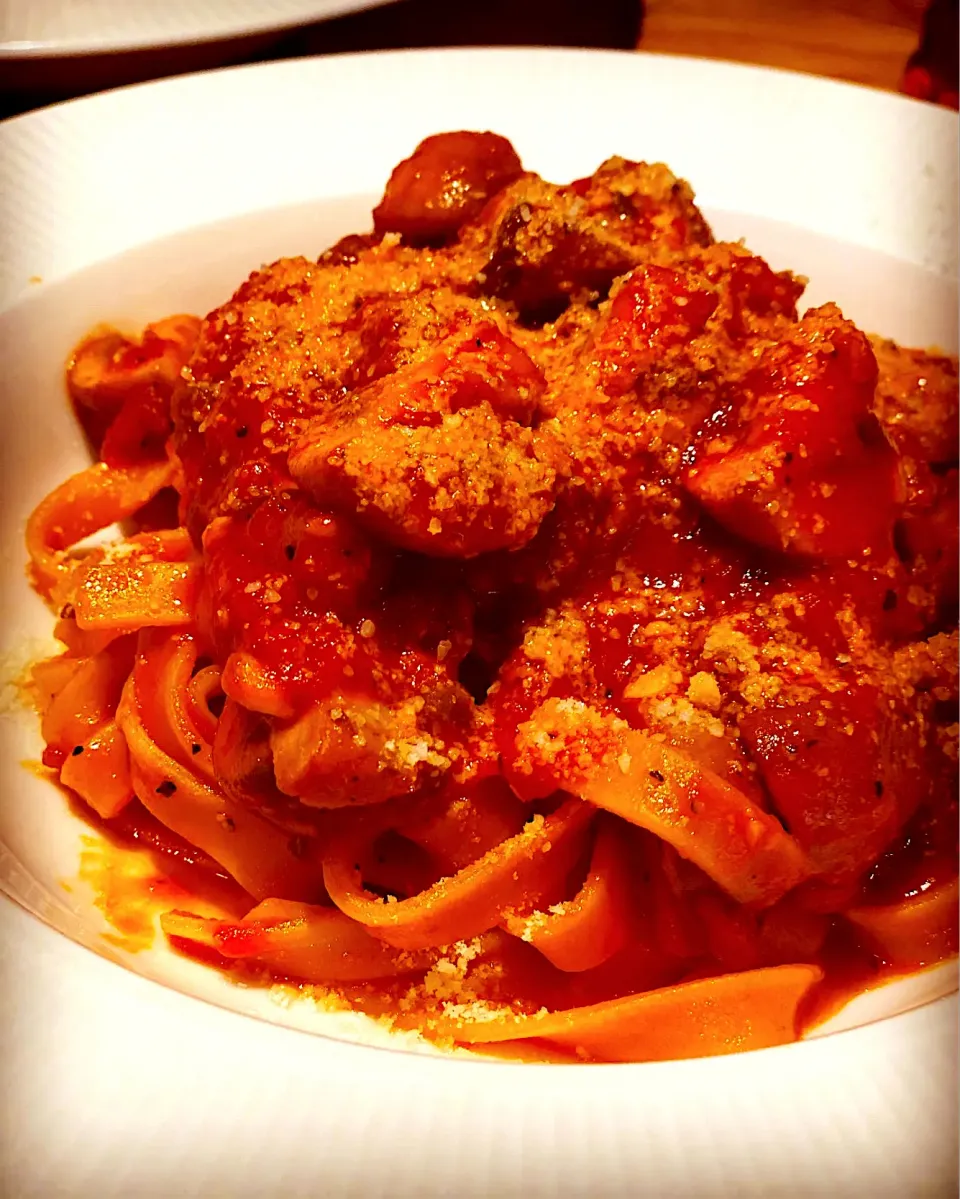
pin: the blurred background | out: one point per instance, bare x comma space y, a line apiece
51, 51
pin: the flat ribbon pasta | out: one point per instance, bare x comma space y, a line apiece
595, 924
916, 931
150, 581
100, 772
301, 940
646, 782
88, 501
154, 719
512, 875
730, 1013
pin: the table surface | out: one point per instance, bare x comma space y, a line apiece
864, 41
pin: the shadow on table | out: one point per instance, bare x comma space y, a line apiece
610, 24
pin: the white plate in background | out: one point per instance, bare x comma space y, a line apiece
53, 28
121, 1087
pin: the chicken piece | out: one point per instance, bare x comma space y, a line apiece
439, 457
752, 294
348, 250
352, 750
844, 773
927, 539
631, 389
243, 763
916, 401
654, 310
793, 459
296, 339
352, 715
547, 244
645, 203
443, 184
685, 319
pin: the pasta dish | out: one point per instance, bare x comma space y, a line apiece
541, 630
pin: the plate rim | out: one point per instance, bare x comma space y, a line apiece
728, 67
229, 30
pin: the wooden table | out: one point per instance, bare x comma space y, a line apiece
864, 41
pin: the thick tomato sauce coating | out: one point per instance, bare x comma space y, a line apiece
530, 443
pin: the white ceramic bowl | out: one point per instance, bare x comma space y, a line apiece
51, 29
161, 198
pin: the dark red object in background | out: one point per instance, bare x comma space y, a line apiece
932, 70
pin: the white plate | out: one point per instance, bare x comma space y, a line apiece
122, 1087
50, 28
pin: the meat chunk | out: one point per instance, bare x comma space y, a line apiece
693, 313
916, 401
873, 762
353, 751
927, 539
443, 184
656, 309
295, 339
440, 457
548, 243
794, 459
